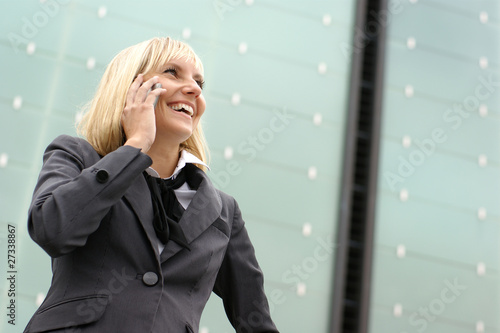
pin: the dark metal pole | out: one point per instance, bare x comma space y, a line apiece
373, 175
353, 264
340, 266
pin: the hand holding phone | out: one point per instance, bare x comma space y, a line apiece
138, 118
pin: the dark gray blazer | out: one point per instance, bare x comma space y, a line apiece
93, 215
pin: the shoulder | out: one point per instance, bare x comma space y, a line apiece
77, 147
68, 141
230, 204
226, 198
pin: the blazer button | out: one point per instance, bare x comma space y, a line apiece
150, 279
102, 176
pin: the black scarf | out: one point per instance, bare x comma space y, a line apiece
167, 209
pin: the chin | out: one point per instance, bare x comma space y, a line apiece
182, 137
187, 133
178, 133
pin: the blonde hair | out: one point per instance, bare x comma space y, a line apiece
101, 124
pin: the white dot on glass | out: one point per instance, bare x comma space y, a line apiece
43, 1
317, 119
204, 330
482, 160
483, 110
411, 43
312, 173
483, 62
482, 213
186, 33
17, 103
480, 269
307, 229
479, 327
91, 63
400, 251
4, 159
102, 11
236, 99
483, 17
413, 1
30, 48
228, 153
249, 2
327, 20
301, 288
39, 299
78, 116
406, 141
322, 68
409, 91
403, 195
397, 310
242, 48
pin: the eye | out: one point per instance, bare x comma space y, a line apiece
201, 83
171, 70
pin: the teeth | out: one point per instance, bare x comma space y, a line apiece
179, 106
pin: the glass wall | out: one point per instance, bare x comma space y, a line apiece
436, 260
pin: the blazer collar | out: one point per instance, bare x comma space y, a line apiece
204, 209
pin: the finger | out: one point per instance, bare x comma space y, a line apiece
132, 91
154, 95
143, 90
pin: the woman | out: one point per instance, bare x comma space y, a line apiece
131, 253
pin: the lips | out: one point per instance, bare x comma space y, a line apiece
182, 107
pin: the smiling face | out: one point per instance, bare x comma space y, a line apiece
180, 108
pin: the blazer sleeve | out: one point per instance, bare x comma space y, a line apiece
240, 283
71, 198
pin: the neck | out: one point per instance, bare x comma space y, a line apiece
165, 158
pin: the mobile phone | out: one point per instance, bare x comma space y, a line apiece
156, 86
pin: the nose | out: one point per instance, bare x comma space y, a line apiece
191, 88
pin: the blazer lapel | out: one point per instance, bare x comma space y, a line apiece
203, 210
139, 198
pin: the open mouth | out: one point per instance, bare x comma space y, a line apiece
181, 107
